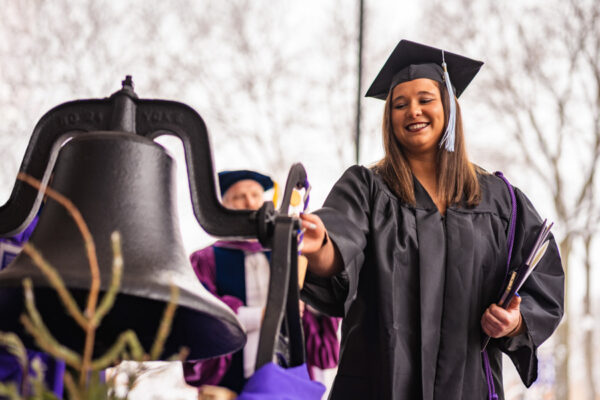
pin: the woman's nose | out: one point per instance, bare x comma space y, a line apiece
414, 110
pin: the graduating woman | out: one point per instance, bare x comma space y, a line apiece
413, 251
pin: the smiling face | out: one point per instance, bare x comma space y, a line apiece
246, 194
417, 116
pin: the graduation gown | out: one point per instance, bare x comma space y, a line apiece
415, 285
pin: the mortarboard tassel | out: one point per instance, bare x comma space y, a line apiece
275, 194
449, 135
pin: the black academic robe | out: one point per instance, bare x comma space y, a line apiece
415, 285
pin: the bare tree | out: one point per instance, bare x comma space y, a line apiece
337, 83
541, 84
230, 60
253, 86
41, 64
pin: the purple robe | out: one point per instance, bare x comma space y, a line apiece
271, 381
322, 346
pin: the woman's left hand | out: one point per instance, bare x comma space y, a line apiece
499, 322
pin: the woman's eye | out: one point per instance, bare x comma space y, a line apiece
425, 101
399, 106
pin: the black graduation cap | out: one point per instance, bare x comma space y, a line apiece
228, 178
411, 60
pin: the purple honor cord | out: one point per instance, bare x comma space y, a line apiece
510, 239
306, 199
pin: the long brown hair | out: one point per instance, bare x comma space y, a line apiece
456, 177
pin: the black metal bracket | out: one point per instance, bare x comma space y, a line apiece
281, 337
296, 180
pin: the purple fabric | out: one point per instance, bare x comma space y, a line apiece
203, 262
322, 351
10, 370
513, 219
206, 372
209, 372
9, 254
271, 382
21, 238
489, 377
492, 395
322, 345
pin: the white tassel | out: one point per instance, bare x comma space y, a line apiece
449, 136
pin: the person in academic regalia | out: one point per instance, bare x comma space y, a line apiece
412, 251
238, 273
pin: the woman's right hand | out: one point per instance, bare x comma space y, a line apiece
323, 257
314, 234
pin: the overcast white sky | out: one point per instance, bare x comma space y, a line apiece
387, 21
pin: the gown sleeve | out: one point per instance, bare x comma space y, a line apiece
542, 293
322, 345
345, 215
211, 371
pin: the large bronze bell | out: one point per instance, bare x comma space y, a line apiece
120, 180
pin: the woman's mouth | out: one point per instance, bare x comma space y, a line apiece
416, 126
